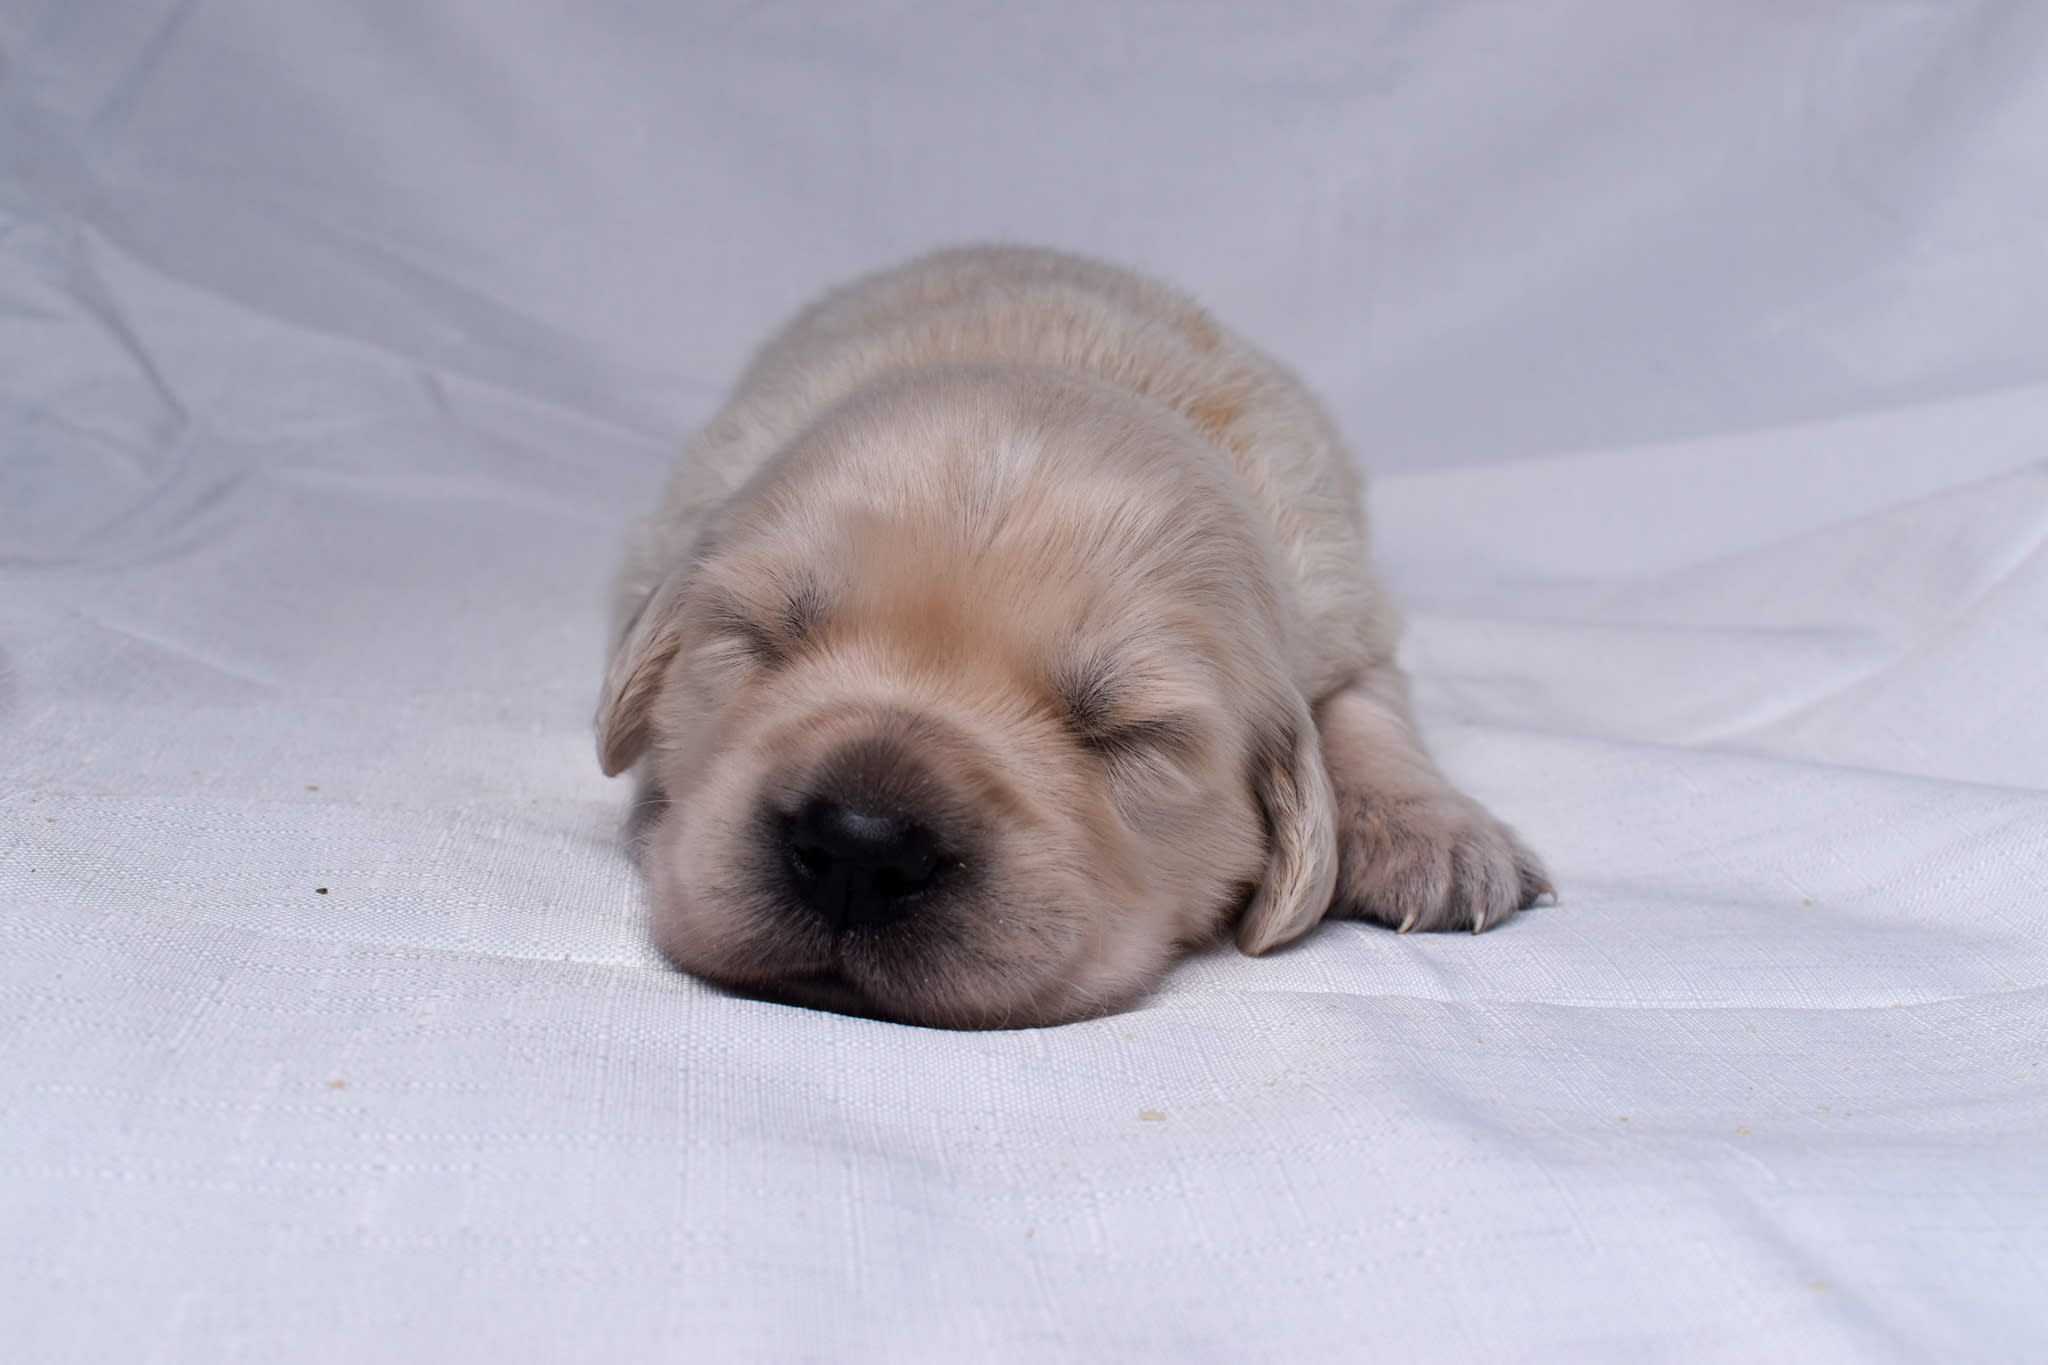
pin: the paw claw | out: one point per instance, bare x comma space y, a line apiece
1535, 883
1432, 863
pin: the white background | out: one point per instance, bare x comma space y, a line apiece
1699, 352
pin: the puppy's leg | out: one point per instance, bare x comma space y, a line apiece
1412, 851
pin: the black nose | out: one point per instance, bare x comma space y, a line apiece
859, 867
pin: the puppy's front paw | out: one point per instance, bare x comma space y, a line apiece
1439, 861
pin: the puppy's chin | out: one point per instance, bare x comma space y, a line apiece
827, 990
970, 963
833, 991
909, 984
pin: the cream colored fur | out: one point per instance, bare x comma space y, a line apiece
1031, 548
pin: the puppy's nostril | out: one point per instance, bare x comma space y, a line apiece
855, 866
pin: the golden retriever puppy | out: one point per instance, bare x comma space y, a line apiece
1008, 632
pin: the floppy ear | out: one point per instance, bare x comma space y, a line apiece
1293, 787
635, 676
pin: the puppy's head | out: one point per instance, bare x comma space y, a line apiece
969, 710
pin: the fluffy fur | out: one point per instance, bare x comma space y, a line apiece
1026, 553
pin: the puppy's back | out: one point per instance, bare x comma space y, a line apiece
1044, 308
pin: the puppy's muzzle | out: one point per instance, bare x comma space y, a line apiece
853, 866
868, 834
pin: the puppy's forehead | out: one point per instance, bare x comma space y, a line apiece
997, 451
987, 607
999, 530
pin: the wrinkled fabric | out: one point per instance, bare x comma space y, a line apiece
1698, 354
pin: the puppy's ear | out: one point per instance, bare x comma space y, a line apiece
1293, 788
635, 676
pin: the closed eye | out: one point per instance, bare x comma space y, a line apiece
1098, 709
769, 638
731, 620
1147, 735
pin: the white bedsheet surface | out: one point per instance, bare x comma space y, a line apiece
1701, 355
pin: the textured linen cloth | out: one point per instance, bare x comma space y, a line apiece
1699, 354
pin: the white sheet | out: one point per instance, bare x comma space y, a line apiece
1701, 351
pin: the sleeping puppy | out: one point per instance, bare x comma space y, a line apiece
1006, 634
